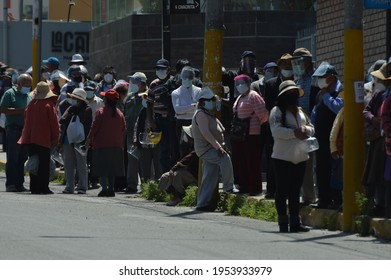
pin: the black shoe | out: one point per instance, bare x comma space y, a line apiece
131, 191
205, 209
47, 192
269, 196
102, 193
21, 189
284, 228
299, 228
94, 186
110, 193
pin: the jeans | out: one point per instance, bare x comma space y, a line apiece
212, 163
16, 157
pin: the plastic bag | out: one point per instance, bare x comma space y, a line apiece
75, 130
309, 145
32, 165
150, 138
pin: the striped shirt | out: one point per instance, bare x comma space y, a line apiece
253, 105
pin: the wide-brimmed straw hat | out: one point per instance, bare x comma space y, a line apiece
288, 85
42, 91
79, 93
384, 73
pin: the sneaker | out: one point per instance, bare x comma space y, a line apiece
67, 191
81, 192
233, 190
175, 201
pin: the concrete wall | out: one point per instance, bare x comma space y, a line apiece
330, 34
134, 43
59, 39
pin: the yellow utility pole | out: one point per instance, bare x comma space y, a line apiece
354, 145
36, 44
213, 54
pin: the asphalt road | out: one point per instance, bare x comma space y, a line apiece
87, 227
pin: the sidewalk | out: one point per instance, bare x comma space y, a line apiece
316, 218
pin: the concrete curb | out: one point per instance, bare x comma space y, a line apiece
318, 218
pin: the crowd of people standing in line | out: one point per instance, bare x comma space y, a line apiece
283, 108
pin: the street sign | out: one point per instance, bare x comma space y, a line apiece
377, 4
185, 7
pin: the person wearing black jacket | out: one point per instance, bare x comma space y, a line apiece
75, 154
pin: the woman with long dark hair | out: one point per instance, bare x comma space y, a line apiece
290, 127
106, 139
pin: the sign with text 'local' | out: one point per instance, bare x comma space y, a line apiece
377, 4
185, 6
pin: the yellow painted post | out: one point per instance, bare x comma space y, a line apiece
354, 145
213, 53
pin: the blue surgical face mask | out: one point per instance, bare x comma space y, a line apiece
209, 105
90, 94
134, 88
186, 83
25, 90
242, 88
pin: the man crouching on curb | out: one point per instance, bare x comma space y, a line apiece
182, 174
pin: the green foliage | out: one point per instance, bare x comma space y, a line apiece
59, 180
151, 6
151, 191
363, 221
190, 198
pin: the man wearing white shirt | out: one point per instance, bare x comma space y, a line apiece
184, 103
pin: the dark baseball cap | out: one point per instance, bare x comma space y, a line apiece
52, 60
270, 65
162, 63
248, 53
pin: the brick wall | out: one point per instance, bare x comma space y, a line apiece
330, 34
134, 43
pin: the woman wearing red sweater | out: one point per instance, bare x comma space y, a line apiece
106, 139
40, 133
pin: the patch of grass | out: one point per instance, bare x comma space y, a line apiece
231, 204
151, 191
363, 220
59, 180
190, 198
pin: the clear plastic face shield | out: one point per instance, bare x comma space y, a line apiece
248, 65
298, 67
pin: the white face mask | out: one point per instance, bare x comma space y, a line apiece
108, 78
161, 74
379, 87
186, 83
322, 83
242, 88
286, 73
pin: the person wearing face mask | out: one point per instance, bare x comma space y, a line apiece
327, 105
373, 178
76, 81
55, 75
270, 97
95, 103
209, 146
248, 65
75, 156
109, 79
132, 108
290, 127
303, 68
270, 70
158, 111
246, 155
184, 104
13, 105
